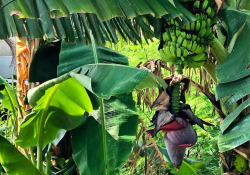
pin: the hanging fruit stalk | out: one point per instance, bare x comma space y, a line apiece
183, 46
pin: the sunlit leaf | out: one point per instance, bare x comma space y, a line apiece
61, 102
13, 162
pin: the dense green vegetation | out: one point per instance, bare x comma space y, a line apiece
86, 101
206, 148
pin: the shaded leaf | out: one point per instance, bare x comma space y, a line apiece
83, 55
233, 115
236, 135
42, 17
233, 78
234, 19
121, 124
44, 64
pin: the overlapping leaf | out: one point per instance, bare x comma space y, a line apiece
84, 55
121, 125
235, 19
62, 102
101, 79
84, 16
236, 135
234, 79
105, 9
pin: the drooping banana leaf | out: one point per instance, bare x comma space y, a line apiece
106, 80
228, 71
58, 104
65, 16
105, 9
84, 55
121, 125
13, 162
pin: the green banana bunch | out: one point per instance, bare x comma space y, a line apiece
171, 53
195, 61
208, 7
189, 43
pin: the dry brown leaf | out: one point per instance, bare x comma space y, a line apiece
162, 100
218, 4
152, 158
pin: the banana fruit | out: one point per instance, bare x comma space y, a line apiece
195, 61
189, 43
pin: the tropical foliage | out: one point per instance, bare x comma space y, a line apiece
89, 98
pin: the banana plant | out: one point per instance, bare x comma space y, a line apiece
60, 19
53, 101
182, 46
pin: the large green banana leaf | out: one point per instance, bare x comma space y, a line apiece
234, 19
244, 4
121, 124
84, 55
61, 103
84, 16
234, 78
106, 80
13, 162
56, 97
236, 135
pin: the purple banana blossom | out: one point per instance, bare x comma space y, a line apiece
179, 133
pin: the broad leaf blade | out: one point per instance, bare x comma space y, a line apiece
121, 123
13, 161
83, 55
236, 135
106, 80
234, 19
233, 115
65, 110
